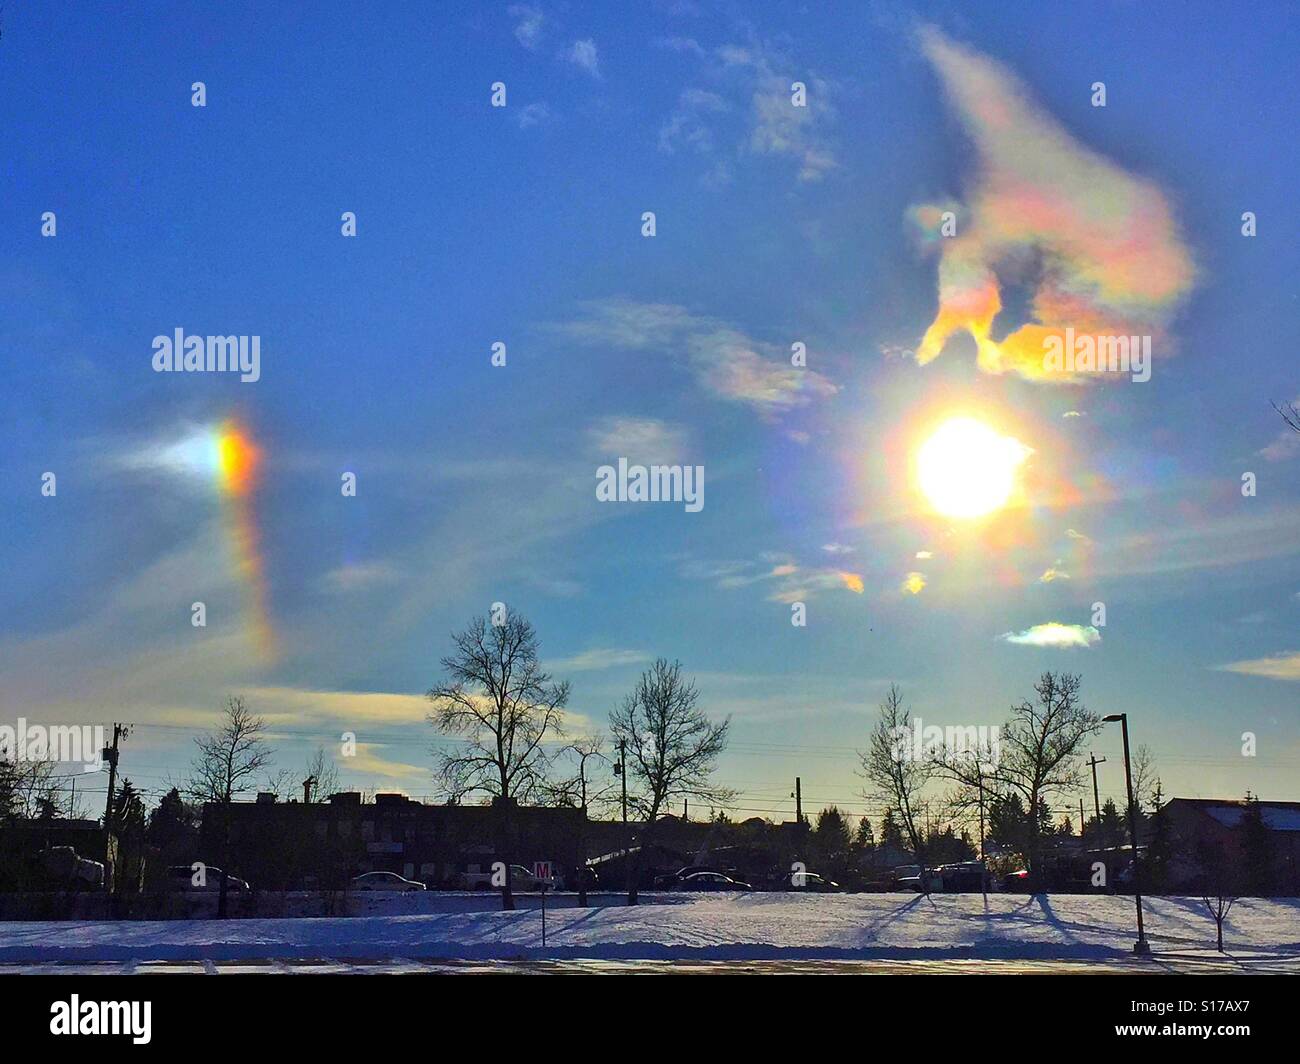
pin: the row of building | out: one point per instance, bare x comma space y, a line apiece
293, 845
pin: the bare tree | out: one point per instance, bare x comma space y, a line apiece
1289, 414
579, 784
228, 760
323, 772
1219, 885
581, 791
499, 701
1144, 779
1039, 754
895, 776
672, 750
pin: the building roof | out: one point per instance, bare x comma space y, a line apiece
1277, 816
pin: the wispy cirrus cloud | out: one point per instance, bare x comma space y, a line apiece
529, 23
584, 55
533, 114
724, 361
598, 658
642, 439
787, 580
1055, 634
1285, 666
750, 104
1098, 247
360, 576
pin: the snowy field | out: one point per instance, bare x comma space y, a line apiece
1264, 934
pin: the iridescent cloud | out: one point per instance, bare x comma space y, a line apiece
1097, 247
1055, 634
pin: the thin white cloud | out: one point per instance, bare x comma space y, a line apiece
360, 577
689, 126
1285, 666
760, 80
584, 55
596, 659
725, 361
533, 114
1055, 634
528, 24
640, 439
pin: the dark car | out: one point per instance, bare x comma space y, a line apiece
186, 878
586, 876
812, 882
712, 881
1015, 882
965, 877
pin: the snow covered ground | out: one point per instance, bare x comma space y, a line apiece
752, 927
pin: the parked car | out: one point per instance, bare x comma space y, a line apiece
183, 878
385, 881
673, 880
585, 875
1015, 882
64, 866
520, 879
914, 879
714, 881
965, 877
812, 882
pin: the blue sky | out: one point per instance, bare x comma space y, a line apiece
522, 224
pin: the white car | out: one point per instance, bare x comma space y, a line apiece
385, 881
520, 879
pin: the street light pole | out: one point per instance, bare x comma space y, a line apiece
1140, 946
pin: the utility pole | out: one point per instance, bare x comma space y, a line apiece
582, 829
621, 769
1096, 801
686, 809
110, 755
120, 731
1081, 821
1140, 947
798, 800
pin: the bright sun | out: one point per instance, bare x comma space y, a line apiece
966, 469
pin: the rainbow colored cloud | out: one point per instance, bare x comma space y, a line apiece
1098, 247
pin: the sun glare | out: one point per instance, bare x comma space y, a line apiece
966, 469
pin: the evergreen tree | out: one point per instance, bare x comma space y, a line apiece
1008, 825
1156, 866
890, 833
863, 838
832, 844
1111, 828
1257, 852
